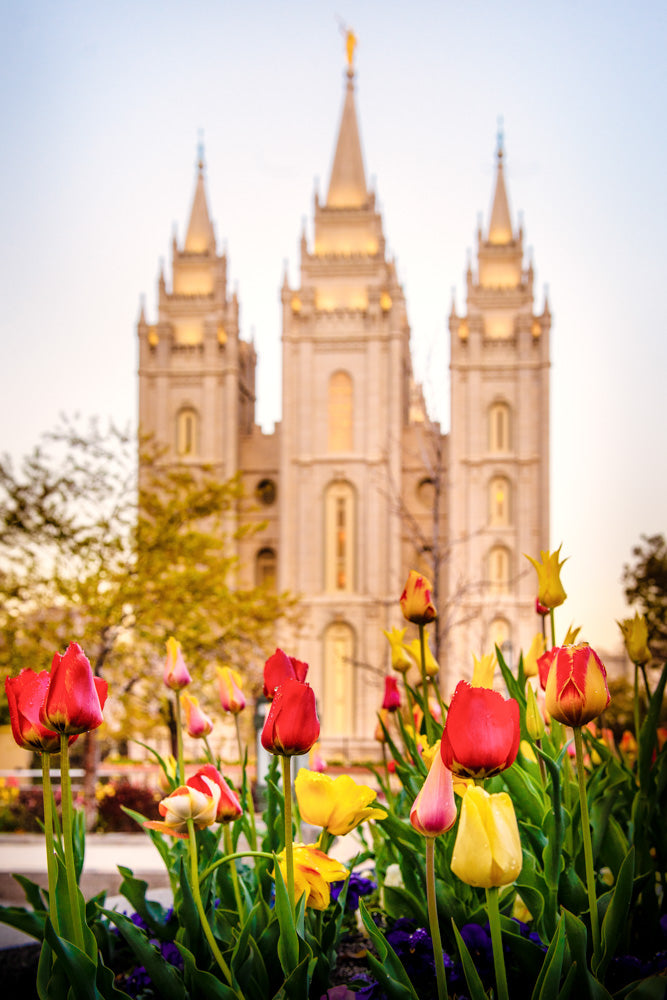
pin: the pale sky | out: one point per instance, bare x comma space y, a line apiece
101, 105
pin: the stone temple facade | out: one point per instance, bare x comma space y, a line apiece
356, 485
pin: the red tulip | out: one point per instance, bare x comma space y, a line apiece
26, 694
75, 697
481, 735
229, 807
292, 725
576, 689
176, 675
392, 696
281, 667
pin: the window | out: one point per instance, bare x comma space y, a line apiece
499, 501
338, 679
266, 491
187, 432
499, 427
339, 542
499, 570
265, 569
501, 636
340, 412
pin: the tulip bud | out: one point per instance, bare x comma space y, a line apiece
176, 674
231, 694
635, 637
550, 591
431, 666
434, 810
281, 667
487, 851
534, 720
400, 661
540, 609
383, 721
481, 734
197, 722
576, 690
25, 696
75, 697
291, 726
416, 603
392, 696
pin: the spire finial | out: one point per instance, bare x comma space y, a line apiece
500, 139
350, 46
200, 149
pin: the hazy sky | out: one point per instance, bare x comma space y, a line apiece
100, 110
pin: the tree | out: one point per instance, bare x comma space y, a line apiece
645, 581
88, 554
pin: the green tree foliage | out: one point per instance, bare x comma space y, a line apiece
645, 580
87, 554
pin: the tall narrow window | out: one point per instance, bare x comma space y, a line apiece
340, 412
338, 679
501, 636
499, 570
499, 501
187, 432
265, 569
339, 540
499, 427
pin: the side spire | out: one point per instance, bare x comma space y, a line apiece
200, 236
347, 186
500, 225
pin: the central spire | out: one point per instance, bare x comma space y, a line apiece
347, 186
500, 226
200, 236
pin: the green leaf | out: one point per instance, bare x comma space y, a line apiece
134, 890
80, 969
288, 942
389, 969
475, 985
297, 984
399, 902
24, 920
616, 918
34, 894
165, 978
648, 989
201, 983
648, 731
546, 987
587, 985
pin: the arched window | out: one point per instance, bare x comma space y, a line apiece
339, 537
499, 570
499, 501
501, 636
187, 432
265, 569
339, 692
340, 412
499, 427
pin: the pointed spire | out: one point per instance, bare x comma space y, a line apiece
347, 186
500, 226
200, 236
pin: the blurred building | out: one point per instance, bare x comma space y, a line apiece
356, 485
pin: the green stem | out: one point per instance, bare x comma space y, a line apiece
636, 704
235, 874
430, 735
648, 690
553, 627
588, 846
233, 857
196, 893
440, 974
247, 788
543, 770
68, 844
209, 753
51, 867
390, 794
289, 854
497, 942
179, 741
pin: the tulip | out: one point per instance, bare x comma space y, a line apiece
25, 696
313, 873
188, 803
291, 726
383, 722
483, 671
176, 674
338, 805
576, 689
281, 667
197, 722
534, 720
431, 665
550, 591
487, 851
75, 697
540, 609
400, 661
231, 694
416, 603
635, 637
481, 734
315, 760
392, 697
434, 810
228, 807
530, 658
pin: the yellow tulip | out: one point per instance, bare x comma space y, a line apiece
483, 671
534, 719
313, 871
635, 637
416, 603
487, 852
550, 591
414, 650
400, 661
537, 648
338, 805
